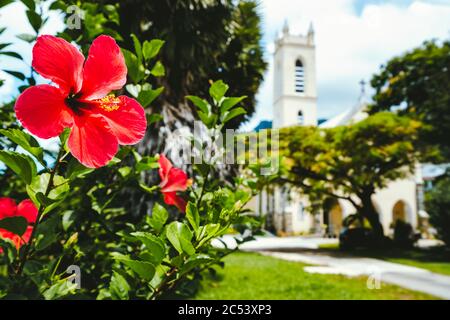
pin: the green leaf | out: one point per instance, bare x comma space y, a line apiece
76, 170
26, 141
133, 89
137, 46
229, 103
195, 261
119, 287
26, 37
30, 4
145, 97
207, 232
35, 20
17, 225
205, 118
145, 270
58, 5
154, 117
217, 90
48, 232
160, 275
158, 70
233, 113
60, 289
125, 171
12, 54
63, 137
4, 3
151, 48
149, 190
21, 164
67, 219
154, 245
4, 45
180, 237
147, 163
135, 67
55, 197
200, 103
193, 216
18, 75
158, 218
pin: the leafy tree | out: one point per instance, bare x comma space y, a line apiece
84, 216
351, 162
204, 40
417, 84
438, 204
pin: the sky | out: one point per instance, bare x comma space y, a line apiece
353, 38
14, 19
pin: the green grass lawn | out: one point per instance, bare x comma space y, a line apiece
436, 260
256, 277
433, 259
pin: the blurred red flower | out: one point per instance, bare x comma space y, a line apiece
26, 209
80, 100
172, 180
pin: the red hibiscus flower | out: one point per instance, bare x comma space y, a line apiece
26, 209
172, 180
80, 100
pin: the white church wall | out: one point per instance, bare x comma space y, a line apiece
288, 108
400, 190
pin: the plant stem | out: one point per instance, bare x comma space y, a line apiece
41, 210
160, 288
203, 187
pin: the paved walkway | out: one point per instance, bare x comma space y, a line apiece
378, 270
273, 243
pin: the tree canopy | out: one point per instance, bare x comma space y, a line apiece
204, 40
353, 161
417, 84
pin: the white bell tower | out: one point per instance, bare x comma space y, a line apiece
295, 92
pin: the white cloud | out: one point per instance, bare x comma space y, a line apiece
349, 47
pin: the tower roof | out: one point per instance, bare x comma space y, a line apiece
287, 38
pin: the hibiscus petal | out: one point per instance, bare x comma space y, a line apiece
91, 141
7, 207
177, 180
28, 210
127, 121
56, 59
5, 234
104, 70
27, 235
164, 167
17, 240
171, 198
41, 109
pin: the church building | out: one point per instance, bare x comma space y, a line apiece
295, 103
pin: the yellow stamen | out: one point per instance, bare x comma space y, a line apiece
109, 103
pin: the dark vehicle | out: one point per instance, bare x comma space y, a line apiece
354, 238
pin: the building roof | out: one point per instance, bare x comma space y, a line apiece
264, 124
353, 114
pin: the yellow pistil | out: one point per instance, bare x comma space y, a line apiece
109, 103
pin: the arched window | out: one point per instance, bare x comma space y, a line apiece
300, 117
299, 77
